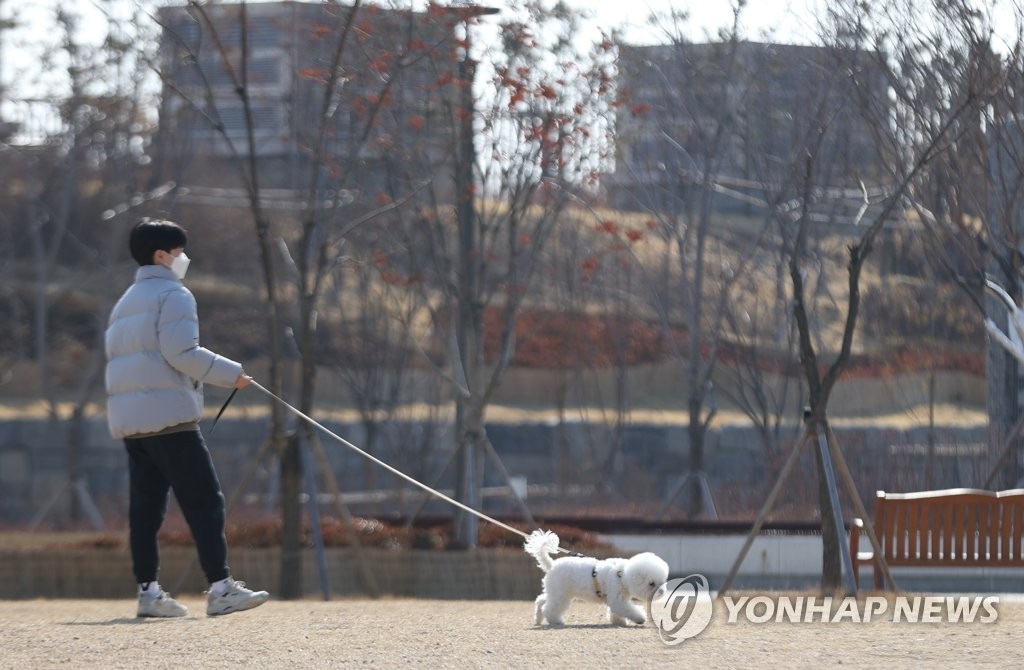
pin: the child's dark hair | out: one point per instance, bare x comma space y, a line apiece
152, 235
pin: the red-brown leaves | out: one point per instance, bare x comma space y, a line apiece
640, 109
381, 63
320, 31
589, 267
320, 75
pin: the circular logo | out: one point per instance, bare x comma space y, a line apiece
682, 608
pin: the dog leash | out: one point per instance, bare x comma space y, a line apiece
390, 469
222, 408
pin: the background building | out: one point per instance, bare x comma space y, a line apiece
736, 114
404, 59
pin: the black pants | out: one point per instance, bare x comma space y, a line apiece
178, 461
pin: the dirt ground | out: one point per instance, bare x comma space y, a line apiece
392, 633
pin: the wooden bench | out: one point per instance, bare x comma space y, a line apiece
950, 528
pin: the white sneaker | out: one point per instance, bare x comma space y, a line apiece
236, 598
160, 604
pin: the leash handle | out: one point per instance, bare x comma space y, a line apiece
395, 471
222, 408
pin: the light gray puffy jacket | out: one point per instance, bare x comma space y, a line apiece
155, 366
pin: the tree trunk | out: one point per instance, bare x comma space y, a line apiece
470, 325
929, 464
291, 521
831, 564
369, 468
470, 481
696, 433
75, 436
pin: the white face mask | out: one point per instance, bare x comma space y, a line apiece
179, 266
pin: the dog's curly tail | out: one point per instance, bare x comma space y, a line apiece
541, 544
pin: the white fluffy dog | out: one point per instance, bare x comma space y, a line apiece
617, 582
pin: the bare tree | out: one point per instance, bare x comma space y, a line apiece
344, 112
906, 145
688, 118
89, 162
970, 198
521, 141
763, 361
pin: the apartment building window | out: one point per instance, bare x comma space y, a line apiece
267, 118
262, 71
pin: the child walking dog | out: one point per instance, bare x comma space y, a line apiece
154, 378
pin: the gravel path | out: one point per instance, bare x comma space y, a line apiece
392, 633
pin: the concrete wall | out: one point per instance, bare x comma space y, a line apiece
793, 562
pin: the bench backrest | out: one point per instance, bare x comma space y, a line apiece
954, 527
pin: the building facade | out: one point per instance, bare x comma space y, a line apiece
736, 115
384, 123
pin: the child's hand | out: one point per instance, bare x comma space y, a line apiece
243, 381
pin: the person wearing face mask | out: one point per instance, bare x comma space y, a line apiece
154, 378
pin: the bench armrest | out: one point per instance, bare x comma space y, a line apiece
856, 526
858, 556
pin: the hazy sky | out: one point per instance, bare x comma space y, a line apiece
786, 20
791, 20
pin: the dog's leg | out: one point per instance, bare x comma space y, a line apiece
627, 610
555, 609
636, 614
614, 619
538, 609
